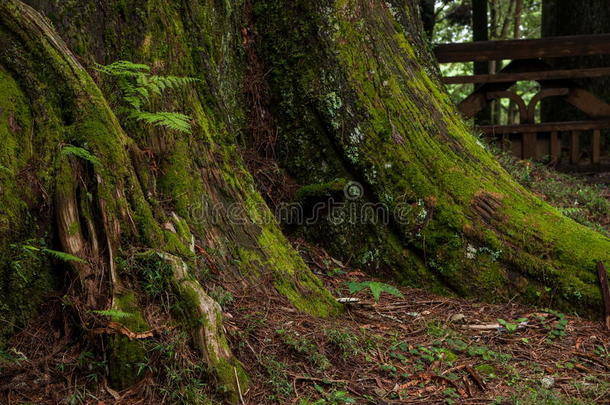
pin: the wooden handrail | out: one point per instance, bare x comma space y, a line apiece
516, 77
545, 127
551, 47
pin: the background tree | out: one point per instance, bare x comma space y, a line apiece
560, 17
427, 9
480, 32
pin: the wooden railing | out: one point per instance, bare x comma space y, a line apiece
582, 140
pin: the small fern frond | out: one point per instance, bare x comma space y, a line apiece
376, 288
170, 120
4, 169
142, 92
66, 257
134, 101
113, 313
171, 82
123, 67
80, 153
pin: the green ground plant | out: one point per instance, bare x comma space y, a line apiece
304, 346
375, 287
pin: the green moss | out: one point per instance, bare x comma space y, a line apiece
225, 370
228, 371
322, 190
487, 370
127, 357
292, 277
26, 277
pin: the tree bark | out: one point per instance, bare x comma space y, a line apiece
564, 17
354, 97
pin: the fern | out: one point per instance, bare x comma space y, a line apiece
138, 87
174, 121
123, 68
66, 257
158, 84
6, 170
80, 153
376, 288
113, 313
27, 247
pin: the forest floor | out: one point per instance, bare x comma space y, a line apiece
417, 348
585, 198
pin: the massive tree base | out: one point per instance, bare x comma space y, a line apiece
144, 216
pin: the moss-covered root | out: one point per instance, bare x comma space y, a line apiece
71, 237
96, 276
127, 355
203, 316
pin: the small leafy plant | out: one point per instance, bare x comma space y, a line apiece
334, 397
510, 326
376, 288
277, 377
66, 257
138, 87
304, 346
221, 296
348, 344
81, 153
558, 330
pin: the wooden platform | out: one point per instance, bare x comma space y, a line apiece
552, 47
569, 144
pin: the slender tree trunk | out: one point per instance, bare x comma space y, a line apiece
564, 17
428, 16
480, 32
513, 112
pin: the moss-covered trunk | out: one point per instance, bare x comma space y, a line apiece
354, 98
355, 92
146, 194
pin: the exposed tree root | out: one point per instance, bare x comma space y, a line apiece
205, 321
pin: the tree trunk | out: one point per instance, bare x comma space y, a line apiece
108, 212
360, 103
480, 32
564, 17
356, 104
427, 10
513, 110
